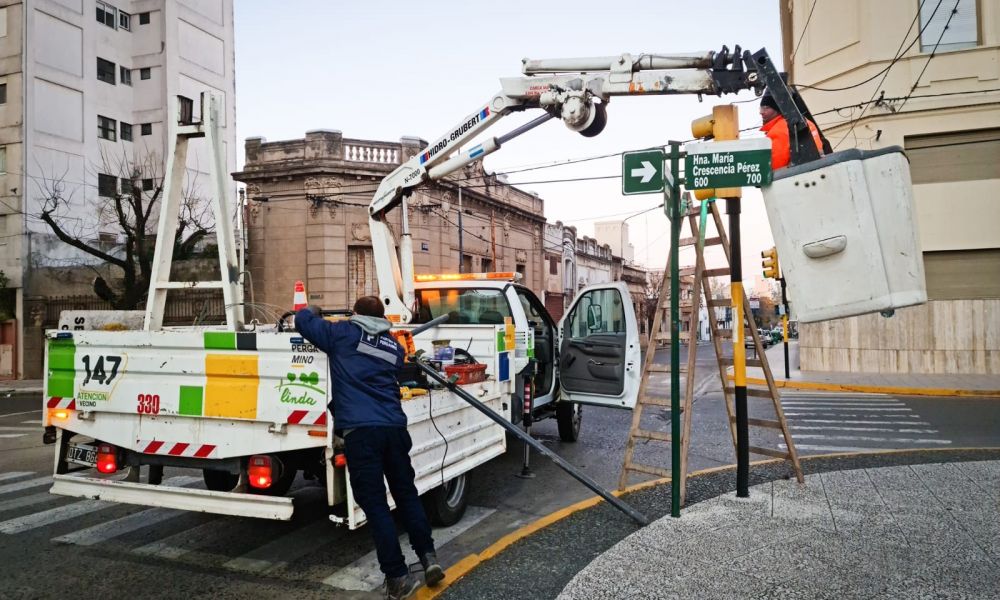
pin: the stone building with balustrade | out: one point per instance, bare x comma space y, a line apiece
307, 219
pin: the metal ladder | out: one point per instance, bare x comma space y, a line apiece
181, 128
702, 280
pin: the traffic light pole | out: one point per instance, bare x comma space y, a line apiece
739, 351
784, 325
673, 205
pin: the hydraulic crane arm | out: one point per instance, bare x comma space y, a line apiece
576, 90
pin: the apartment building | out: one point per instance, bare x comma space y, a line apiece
924, 75
84, 89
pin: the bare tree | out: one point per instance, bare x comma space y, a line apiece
130, 211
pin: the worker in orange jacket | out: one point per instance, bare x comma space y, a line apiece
776, 129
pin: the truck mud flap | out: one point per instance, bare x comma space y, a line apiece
196, 500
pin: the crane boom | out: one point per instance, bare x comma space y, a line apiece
576, 90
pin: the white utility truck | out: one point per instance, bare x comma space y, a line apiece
245, 404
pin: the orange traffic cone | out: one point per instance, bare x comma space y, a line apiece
299, 299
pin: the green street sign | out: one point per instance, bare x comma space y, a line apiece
730, 164
642, 172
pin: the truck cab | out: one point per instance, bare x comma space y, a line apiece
591, 356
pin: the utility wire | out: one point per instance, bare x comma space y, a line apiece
892, 63
954, 11
804, 28
896, 55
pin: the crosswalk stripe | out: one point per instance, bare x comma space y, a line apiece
12, 435
112, 529
53, 515
824, 448
289, 547
14, 475
364, 575
809, 413
849, 422
855, 438
19, 428
882, 429
29, 500
844, 407
843, 402
179, 544
32, 422
23, 485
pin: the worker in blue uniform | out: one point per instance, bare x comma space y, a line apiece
365, 360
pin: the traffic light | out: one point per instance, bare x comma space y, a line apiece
770, 263
722, 125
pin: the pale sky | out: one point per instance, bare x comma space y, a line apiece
383, 70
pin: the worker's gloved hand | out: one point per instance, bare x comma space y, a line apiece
315, 310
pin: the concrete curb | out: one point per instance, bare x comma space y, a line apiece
466, 565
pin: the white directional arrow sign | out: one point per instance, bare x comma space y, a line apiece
642, 172
646, 172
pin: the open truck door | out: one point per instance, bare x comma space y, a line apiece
599, 355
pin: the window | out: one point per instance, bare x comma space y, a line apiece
466, 263
107, 185
520, 268
127, 187
146, 129
145, 73
954, 156
144, 18
125, 74
106, 71
106, 14
597, 311
124, 19
3, 159
487, 265
962, 31
553, 265
147, 184
126, 131
466, 306
107, 128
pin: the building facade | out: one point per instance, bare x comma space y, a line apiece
560, 267
924, 76
84, 86
307, 219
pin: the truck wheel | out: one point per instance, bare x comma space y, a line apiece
219, 481
445, 504
568, 416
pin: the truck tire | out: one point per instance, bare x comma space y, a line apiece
445, 505
568, 416
219, 481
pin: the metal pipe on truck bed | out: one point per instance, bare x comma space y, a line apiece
562, 464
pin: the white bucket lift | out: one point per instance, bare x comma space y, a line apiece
846, 234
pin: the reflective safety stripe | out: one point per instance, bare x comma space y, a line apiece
388, 357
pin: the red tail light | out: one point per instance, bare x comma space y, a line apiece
339, 460
259, 472
107, 458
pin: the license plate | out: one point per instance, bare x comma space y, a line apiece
82, 454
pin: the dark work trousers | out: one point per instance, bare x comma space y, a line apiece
372, 452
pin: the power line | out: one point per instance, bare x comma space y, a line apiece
804, 28
892, 63
954, 11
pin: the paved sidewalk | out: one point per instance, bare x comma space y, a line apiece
20, 388
884, 383
899, 524
917, 531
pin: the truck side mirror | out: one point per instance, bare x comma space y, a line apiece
594, 320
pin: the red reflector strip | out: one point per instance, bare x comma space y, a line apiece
53, 402
153, 448
296, 416
204, 451
178, 449
56, 402
321, 420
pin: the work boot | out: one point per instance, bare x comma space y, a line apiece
432, 569
398, 588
